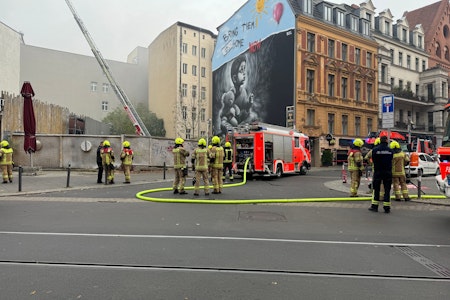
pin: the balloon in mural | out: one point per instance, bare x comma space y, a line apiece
278, 12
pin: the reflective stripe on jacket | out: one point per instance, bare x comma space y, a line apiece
179, 157
201, 159
6, 156
228, 158
355, 160
217, 154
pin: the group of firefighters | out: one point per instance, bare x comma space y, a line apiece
213, 161
388, 165
106, 159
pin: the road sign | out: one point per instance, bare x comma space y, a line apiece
387, 113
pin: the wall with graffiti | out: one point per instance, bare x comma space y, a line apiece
253, 66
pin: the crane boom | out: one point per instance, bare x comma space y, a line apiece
127, 105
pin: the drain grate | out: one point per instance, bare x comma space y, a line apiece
261, 216
429, 264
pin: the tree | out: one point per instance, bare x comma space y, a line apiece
121, 123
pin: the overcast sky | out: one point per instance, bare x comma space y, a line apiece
118, 26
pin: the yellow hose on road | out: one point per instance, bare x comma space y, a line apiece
140, 195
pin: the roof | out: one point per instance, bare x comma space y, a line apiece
428, 16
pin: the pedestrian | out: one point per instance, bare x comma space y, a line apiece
399, 162
6, 161
200, 160
216, 155
99, 163
355, 166
107, 155
382, 157
228, 162
179, 164
126, 156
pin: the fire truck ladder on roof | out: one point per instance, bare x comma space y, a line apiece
127, 105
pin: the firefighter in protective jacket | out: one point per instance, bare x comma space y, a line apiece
179, 165
216, 157
126, 156
200, 159
107, 155
228, 161
6, 161
399, 162
355, 166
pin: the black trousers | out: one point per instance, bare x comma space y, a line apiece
100, 173
387, 181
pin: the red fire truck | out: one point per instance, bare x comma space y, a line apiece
274, 150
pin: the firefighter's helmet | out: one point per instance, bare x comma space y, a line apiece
4, 143
202, 142
377, 141
228, 145
179, 141
394, 145
106, 143
126, 144
209, 146
215, 140
358, 143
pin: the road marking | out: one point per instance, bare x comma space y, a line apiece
223, 238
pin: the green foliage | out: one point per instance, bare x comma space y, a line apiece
121, 123
327, 158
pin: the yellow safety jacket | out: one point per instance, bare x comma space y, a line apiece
179, 157
355, 160
217, 155
107, 155
6, 156
228, 158
399, 162
126, 156
201, 159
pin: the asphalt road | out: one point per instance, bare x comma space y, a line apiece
104, 244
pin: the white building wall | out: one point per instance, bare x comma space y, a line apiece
10, 41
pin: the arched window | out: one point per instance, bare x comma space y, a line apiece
446, 54
438, 50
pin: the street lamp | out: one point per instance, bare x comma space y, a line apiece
410, 126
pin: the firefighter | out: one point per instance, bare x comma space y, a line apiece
368, 160
216, 156
6, 161
228, 161
382, 157
179, 164
200, 161
399, 162
107, 155
126, 156
355, 166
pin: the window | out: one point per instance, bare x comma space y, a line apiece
358, 126
417, 64
203, 52
420, 41
330, 85
344, 52
184, 68
184, 112
400, 84
400, 59
408, 85
369, 125
392, 82
331, 123
203, 71
384, 73
408, 61
105, 105
369, 92
194, 50
307, 6
310, 81
344, 124
357, 90
417, 90
105, 87
357, 56
310, 117
387, 28
194, 70
438, 50
365, 28
194, 91
184, 48
344, 88
369, 60
354, 24
311, 42
331, 48
188, 133
392, 55
340, 20
203, 93
202, 115
194, 113
423, 65
327, 13
184, 90
446, 53
93, 86
404, 35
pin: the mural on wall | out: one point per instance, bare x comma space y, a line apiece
253, 66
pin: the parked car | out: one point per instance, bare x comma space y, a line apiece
427, 165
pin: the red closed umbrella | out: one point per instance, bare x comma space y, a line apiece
394, 135
29, 121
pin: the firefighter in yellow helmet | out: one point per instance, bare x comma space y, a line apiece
399, 161
200, 161
355, 166
6, 161
126, 156
107, 155
179, 164
228, 161
216, 155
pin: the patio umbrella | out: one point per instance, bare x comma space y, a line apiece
394, 135
29, 121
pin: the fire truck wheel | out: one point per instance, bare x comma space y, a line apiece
303, 170
279, 172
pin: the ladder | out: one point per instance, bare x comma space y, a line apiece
127, 105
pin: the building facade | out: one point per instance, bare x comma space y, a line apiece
180, 80
10, 41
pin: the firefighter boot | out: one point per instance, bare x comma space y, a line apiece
373, 208
175, 191
387, 209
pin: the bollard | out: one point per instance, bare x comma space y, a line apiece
68, 177
20, 178
419, 185
344, 173
164, 170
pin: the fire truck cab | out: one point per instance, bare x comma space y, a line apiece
274, 150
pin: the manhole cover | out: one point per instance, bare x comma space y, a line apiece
261, 216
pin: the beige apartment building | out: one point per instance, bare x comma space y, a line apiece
180, 80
